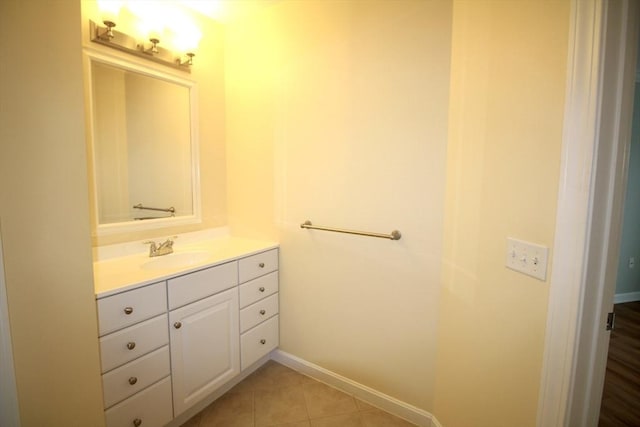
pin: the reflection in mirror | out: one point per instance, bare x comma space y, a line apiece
145, 166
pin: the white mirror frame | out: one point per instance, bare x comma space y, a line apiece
91, 56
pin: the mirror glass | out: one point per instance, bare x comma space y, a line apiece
144, 150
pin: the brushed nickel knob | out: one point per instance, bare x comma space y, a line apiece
263, 341
262, 312
128, 310
131, 345
261, 289
177, 325
137, 422
261, 265
133, 380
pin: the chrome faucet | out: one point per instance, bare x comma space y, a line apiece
164, 248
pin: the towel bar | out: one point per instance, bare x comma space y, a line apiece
394, 235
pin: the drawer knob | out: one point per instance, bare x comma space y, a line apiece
128, 310
263, 341
133, 380
137, 422
261, 289
131, 345
262, 312
261, 265
177, 325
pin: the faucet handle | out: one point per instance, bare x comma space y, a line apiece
153, 247
169, 241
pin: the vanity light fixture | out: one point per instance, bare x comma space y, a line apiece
107, 36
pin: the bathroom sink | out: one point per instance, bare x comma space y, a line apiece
176, 260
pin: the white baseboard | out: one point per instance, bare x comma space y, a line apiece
375, 398
628, 297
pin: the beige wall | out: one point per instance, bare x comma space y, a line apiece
442, 119
342, 112
337, 113
111, 165
508, 76
208, 73
45, 215
160, 156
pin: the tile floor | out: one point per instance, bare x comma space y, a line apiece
275, 395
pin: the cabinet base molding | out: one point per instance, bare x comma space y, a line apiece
362, 392
184, 417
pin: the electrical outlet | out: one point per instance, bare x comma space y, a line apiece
527, 258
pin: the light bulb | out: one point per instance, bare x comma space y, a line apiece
109, 10
187, 41
186, 35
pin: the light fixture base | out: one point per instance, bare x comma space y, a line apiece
153, 50
188, 61
108, 34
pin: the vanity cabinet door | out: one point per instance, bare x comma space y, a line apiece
204, 340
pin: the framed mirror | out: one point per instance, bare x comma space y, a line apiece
143, 145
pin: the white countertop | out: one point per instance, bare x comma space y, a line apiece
117, 274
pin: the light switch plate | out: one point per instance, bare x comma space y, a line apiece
527, 258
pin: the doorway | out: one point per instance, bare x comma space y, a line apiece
602, 59
9, 415
621, 390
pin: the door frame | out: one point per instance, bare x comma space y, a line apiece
9, 409
595, 147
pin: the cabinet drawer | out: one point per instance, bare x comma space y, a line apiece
152, 406
200, 284
258, 341
257, 265
259, 288
258, 312
127, 344
121, 310
134, 376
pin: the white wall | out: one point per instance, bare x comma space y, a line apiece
160, 145
110, 144
508, 76
337, 113
44, 210
441, 119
